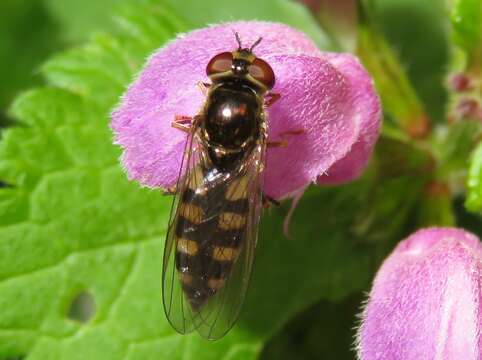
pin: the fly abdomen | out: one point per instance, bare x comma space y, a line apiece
210, 231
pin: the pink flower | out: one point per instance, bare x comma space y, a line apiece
328, 96
426, 300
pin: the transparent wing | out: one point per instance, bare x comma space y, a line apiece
218, 315
175, 307
211, 240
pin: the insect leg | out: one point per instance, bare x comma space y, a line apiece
284, 135
271, 98
268, 201
171, 190
278, 143
184, 123
203, 87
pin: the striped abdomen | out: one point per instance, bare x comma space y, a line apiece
210, 231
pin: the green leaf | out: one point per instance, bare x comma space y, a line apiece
27, 37
467, 25
79, 18
474, 182
72, 224
202, 13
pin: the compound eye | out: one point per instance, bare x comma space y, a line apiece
262, 72
220, 63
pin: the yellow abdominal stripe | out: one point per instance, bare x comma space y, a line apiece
191, 212
185, 278
187, 246
216, 284
231, 221
238, 189
222, 253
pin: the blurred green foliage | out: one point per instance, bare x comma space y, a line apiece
467, 24
70, 221
79, 19
28, 34
474, 200
418, 32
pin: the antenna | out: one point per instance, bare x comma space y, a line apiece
256, 43
238, 39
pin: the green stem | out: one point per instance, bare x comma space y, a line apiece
436, 208
398, 95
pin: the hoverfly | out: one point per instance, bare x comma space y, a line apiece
209, 250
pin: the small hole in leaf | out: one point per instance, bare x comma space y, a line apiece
5, 185
82, 308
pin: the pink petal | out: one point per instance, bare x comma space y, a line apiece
319, 110
426, 300
315, 98
366, 113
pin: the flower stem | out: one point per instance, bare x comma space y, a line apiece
398, 95
400, 100
436, 208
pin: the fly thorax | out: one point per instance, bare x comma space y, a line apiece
232, 116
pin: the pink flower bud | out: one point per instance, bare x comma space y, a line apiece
330, 97
460, 82
426, 300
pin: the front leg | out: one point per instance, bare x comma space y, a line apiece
184, 123
204, 87
271, 98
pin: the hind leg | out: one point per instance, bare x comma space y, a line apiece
269, 201
283, 142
